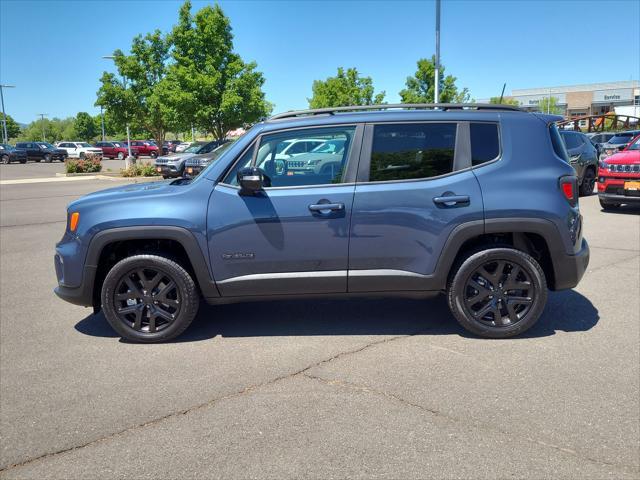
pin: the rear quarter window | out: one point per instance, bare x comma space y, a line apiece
485, 143
558, 145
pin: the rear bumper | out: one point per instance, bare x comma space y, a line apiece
613, 198
569, 269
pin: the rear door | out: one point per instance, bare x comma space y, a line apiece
414, 186
293, 237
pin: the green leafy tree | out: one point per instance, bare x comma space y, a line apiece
13, 129
549, 105
136, 95
420, 88
345, 89
55, 129
85, 127
505, 101
208, 84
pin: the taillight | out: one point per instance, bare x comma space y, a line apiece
569, 187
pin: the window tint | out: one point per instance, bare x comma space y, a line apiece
303, 169
484, 142
557, 143
404, 152
572, 140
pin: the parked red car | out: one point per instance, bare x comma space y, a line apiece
619, 177
143, 148
115, 150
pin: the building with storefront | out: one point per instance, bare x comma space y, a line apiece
580, 100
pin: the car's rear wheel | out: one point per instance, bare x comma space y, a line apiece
588, 182
120, 156
498, 292
149, 298
609, 206
5, 159
153, 154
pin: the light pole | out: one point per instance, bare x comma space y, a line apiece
5, 135
102, 122
42, 115
129, 158
436, 90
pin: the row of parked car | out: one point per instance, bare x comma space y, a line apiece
60, 151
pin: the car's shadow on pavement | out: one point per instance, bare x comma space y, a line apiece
566, 311
623, 210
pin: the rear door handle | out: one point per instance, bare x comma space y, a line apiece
451, 200
326, 207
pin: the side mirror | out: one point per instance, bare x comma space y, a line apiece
251, 180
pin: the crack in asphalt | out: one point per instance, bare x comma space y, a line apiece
452, 419
32, 224
608, 265
38, 198
206, 404
615, 249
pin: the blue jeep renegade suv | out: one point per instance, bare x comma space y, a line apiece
476, 201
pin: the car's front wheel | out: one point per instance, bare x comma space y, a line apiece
149, 298
498, 292
47, 158
154, 154
120, 156
5, 159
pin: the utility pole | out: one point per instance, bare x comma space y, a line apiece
436, 96
102, 121
193, 133
5, 135
42, 115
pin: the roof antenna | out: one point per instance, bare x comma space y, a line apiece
502, 94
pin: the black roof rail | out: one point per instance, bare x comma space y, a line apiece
403, 106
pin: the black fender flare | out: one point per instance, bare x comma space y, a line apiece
156, 232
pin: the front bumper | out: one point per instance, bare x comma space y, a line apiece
613, 198
168, 170
193, 170
569, 269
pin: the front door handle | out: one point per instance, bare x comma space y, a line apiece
452, 200
326, 207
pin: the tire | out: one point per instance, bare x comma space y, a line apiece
46, 158
5, 159
120, 156
609, 206
81, 156
166, 314
588, 182
24, 160
153, 154
477, 312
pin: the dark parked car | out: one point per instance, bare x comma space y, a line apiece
10, 154
617, 143
169, 146
115, 150
583, 156
475, 201
42, 151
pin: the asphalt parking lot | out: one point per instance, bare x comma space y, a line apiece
315, 388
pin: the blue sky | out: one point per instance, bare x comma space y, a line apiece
51, 50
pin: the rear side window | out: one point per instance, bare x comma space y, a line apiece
557, 143
572, 140
485, 144
411, 151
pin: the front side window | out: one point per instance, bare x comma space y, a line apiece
485, 144
302, 169
412, 151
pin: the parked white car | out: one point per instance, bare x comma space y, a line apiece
79, 149
294, 147
181, 147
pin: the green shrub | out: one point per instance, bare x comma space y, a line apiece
139, 170
90, 164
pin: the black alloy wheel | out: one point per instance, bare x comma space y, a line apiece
147, 300
497, 292
588, 182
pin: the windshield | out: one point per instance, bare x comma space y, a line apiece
332, 146
194, 148
635, 145
619, 139
45, 145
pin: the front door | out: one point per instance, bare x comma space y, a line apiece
414, 187
293, 237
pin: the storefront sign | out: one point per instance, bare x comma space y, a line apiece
613, 96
